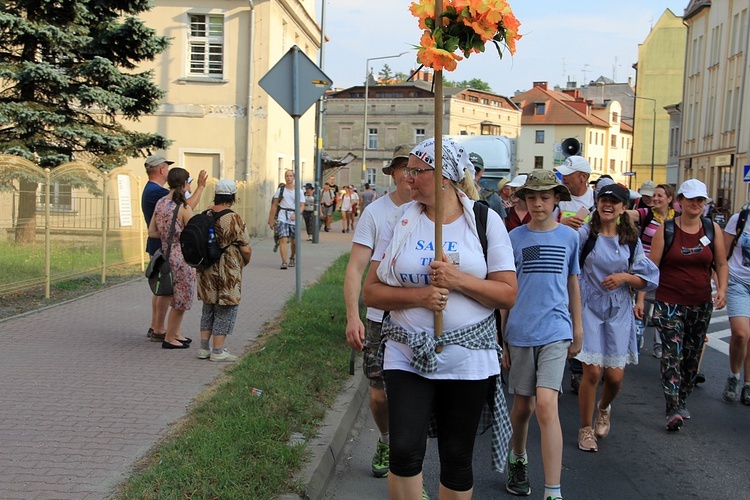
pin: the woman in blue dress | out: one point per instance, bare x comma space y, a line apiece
609, 335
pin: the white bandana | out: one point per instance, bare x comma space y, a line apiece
455, 157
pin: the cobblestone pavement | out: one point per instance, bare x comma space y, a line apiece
84, 394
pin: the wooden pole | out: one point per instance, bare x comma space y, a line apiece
438, 174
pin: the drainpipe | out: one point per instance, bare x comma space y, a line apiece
250, 75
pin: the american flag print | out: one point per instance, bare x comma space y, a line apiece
544, 259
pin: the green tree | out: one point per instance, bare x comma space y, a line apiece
68, 75
474, 83
385, 74
400, 77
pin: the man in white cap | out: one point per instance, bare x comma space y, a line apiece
380, 212
157, 168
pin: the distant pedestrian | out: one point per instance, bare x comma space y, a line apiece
219, 286
542, 329
308, 213
327, 204
284, 200
486, 196
368, 196
518, 214
346, 209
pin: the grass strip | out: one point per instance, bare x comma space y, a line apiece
233, 444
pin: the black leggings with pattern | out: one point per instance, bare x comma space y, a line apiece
683, 333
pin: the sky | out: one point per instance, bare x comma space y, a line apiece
573, 40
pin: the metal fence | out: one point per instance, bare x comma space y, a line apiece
74, 220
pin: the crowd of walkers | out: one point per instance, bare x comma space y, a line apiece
572, 271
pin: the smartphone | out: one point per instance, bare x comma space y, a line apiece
582, 213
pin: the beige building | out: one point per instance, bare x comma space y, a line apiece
218, 117
715, 104
404, 113
660, 70
549, 117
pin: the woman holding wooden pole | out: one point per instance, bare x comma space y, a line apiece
448, 377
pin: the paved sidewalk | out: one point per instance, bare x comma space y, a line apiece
84, 393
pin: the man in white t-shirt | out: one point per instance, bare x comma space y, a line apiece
283, 200
575, 172
575, 213
382, 211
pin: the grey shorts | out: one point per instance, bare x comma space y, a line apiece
326, 210
371, 367
217, 319
738, 298
533, 367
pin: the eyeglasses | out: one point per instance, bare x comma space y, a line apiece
414, 172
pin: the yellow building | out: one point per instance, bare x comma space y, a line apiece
660, 70
218, 117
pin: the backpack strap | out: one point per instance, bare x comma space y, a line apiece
587, 248
741, 221
480, 214
646, 220
669, 225
669, 229
216, 217
632, 246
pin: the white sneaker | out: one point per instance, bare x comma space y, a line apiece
204, 353
223, 356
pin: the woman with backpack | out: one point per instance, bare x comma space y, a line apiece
649, 220
686, 249
612, 261
219, 285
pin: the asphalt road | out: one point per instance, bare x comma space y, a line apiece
709, 458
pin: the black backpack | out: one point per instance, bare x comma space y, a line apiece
194, 240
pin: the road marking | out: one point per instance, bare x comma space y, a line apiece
716, 342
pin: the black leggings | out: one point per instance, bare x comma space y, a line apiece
457, 405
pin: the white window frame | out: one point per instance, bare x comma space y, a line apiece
209, 41
372, 138
419, 135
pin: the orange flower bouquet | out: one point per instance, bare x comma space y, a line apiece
465, 25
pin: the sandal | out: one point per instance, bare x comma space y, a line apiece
283, 265
291, 262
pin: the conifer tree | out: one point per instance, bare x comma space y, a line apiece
69, 78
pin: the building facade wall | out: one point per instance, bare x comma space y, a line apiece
714, 108
398, 120
207, 116
661, 66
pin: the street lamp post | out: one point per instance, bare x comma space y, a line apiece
365, 130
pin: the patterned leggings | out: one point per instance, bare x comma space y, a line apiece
683, 331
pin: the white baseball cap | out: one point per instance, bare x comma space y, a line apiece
693, 188
225, 186
574, 164
517, 181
